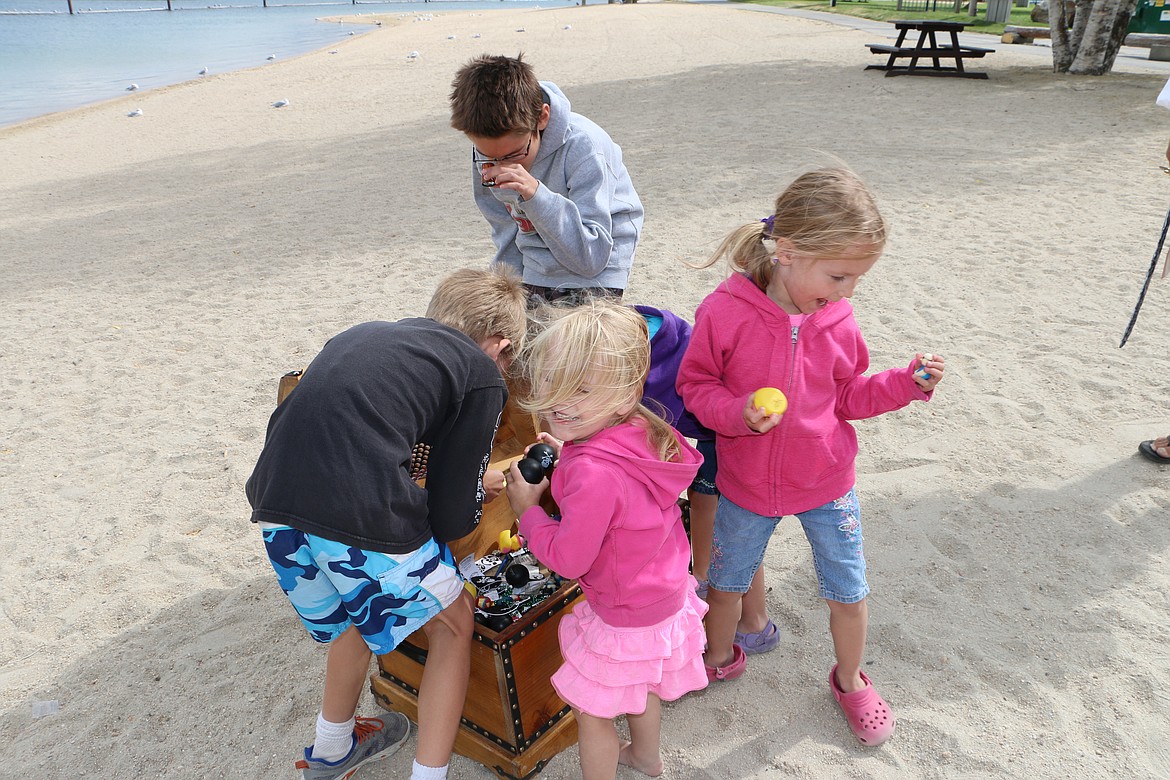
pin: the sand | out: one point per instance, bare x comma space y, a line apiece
161, 272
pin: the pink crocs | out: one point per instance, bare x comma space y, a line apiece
868, 714
735, 667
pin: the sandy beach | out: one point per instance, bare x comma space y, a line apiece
161, 272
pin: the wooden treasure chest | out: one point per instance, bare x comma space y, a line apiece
513, 721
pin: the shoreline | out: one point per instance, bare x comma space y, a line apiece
55, 84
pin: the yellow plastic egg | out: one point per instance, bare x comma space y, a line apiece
771, 400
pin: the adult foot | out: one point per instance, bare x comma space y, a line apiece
1157, 450
626, 757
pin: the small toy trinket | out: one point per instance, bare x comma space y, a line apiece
509, 541
922, 373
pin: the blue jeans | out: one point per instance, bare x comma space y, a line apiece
833, 531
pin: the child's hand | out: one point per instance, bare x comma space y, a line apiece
550, 440
757, 419
511, 176
493, 485
522, 496
930, 371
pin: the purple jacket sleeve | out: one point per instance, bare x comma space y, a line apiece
701, 386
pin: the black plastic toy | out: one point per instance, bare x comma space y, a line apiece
536, 465
498, 623
518, 574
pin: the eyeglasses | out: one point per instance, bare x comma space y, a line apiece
481, 159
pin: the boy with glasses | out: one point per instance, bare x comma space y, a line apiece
551, 183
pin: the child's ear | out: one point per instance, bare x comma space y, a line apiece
783, 251
545, 113
495, 346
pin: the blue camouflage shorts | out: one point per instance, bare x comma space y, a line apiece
333, 586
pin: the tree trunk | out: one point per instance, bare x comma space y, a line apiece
1090, 47
1104, 31
1062, 45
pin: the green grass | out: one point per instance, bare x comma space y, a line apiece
884, 10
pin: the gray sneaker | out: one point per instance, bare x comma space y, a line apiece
373, 740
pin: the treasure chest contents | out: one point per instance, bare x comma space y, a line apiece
508, 585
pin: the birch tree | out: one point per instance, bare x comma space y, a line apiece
1091, 45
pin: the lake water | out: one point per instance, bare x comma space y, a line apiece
52, 61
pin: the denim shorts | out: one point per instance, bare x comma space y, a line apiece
333, 586
705, 479
833, 531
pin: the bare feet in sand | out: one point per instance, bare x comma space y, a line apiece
626, 757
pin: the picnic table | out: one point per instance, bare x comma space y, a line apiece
926, 57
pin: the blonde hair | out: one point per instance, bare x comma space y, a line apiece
602, 345
483, 303
821, 213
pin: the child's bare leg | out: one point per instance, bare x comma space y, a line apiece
597, 746
347, 669
443, 688
644, 750
722, 618
754, 612
847, 624
702, 531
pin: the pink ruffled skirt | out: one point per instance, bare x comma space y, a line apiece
610, 671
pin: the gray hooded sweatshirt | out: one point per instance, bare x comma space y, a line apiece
582, 225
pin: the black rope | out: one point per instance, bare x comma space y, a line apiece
1146, 286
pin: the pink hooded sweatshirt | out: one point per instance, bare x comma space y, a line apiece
620, 534
743, 341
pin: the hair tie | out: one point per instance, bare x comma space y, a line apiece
768, 224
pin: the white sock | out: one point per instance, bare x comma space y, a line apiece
334, 740
420, 772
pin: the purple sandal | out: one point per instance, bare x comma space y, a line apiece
755, 643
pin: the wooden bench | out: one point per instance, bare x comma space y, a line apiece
946, 52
